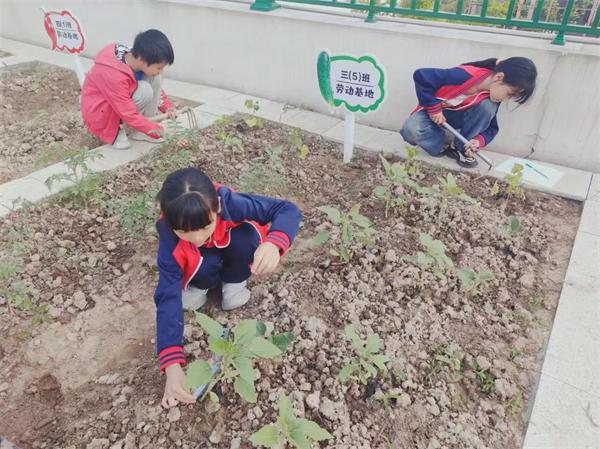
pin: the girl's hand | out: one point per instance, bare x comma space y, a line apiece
175, 392
472, 147
438, 118
266, 259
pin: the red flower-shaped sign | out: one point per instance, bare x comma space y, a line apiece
64, 31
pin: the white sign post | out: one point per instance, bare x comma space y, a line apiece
66, 34
356, 83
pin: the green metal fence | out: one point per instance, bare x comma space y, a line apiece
580, 17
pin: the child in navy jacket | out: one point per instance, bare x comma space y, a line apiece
467, 97
210, 235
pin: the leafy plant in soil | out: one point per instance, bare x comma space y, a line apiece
367, 360
486, 379
86, 188
434, 256
234, 353
296, 143
450, 356
253, 121
474, 282
15, 293
266, 173
449, 189
137, 215
288, 429
514, 227
513, 187
413, 166
352, 226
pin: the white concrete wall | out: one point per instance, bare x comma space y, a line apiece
273, 55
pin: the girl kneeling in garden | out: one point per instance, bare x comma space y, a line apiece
210, 235
467, 97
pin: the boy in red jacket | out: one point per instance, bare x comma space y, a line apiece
124, 87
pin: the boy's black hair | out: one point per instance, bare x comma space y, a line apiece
187, 198
153, 47
518, 72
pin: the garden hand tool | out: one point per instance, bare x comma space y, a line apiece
187, 110
460, 137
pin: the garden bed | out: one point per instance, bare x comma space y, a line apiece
77, 315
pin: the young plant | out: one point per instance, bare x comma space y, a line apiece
513, 187
450, 189
514, 227
352, 225
234, 353
166, 162
392, 192
86, 188
138, 214
296, 143
434, 256
289, 430
484, 376
266, 173
413, 166
367, 360
474, 282
253, 121
16, 293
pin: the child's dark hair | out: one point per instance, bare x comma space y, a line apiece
518, 72
187, 198
153, 47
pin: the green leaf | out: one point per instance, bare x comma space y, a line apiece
486, 275
304, 151
361, 221
245, 389
286, 412
334, 214
282, 341
261, 328
221, 347
346, 372
198, 373
354, 337
245, 331
314, 431
321, 238
261, 347
267, 436
244, 367
380, 360
373, 343
213, 328
298, 439
380, 191
346, 232
369, 368
213, 397
466, 275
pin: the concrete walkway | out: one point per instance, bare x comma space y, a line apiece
566, 408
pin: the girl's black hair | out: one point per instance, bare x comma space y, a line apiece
518, 72
187, 198
153, 47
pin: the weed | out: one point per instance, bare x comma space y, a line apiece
352, 226
296, 143
253, 121
289, 430
514, 227
474, 281
484, 376
435, 256
137, 215
265, 173
367, 360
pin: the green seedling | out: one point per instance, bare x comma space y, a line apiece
450, 189
484, 376
166, 163
474, 281
513, 187
56, 152
515, 404
137, 215
265, 173
352, 226
289, 430
413, 166
451, 356
86, 188
514, 353
16, 293
434, 256
495, 189
253, 121
367, 360
514, 227
296, 143
236, 352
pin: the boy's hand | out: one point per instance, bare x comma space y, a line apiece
266, 258
471, 148
157, 133
175, 392
172, 114
438, 118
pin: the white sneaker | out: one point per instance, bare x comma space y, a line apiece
193, 298
136, 135
121, 142
234, 295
